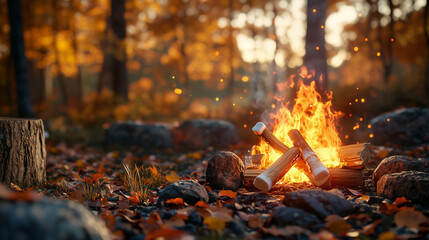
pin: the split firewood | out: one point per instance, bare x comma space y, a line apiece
265, 134
267, 179
319, 171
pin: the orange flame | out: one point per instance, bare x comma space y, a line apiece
317, 123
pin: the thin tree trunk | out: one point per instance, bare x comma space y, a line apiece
315, 50
104, 76
276, 40
119, 69
389, 42
25, 108
79, 83
60, 76
231, 85
425, 25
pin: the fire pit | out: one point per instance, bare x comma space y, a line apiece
316, 154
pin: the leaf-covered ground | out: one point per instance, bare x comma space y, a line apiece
122, 187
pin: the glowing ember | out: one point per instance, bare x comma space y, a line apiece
317, 123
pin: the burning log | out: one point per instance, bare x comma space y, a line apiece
277, 170
319, 171
339, 176
263, 132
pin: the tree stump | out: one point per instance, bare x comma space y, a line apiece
22, 152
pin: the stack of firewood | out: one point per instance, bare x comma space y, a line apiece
306, 160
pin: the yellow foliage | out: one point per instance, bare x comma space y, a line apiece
214, 223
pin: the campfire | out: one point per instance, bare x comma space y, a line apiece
304, 146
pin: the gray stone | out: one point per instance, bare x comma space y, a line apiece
407, 126
191, 192
412, 185
147, 136
202, 133
283, 216
395, 164
318, 202
50, 219
225, 170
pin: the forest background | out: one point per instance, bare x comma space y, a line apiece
82, 64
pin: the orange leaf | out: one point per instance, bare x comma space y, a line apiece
201, 204
227, 193
400, 200
176, 201
134, 199
172, 177
167, 233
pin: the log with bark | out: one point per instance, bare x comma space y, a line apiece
340, 177
22, 152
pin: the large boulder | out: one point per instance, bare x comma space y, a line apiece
190, 191
147, 136
404, 127
50, 219
412, 185
202, 133
318, 202
395, 164
225, 170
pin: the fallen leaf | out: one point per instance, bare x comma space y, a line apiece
176, 201
354, 192
134, 199
400, 200
409, 218
172, 177
387, 236
194, 155
214, 223
339, 227
171, 223
332, 218
168, 233
201, 204
227, 193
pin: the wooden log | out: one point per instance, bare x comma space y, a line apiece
265, 134
343, 177
340, 177
22, 152
266, 180
319, 171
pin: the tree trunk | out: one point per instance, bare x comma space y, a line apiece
231, 85
425, 25
25, 107
22, 152
119, 69
315, 51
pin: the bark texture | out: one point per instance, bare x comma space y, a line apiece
22, 152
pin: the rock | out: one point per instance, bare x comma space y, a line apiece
412, 185
50, 219
404, 127
202, 133
283, 216
225, 170
213, 197
147, 136
191, 192
318, 202
395, 164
